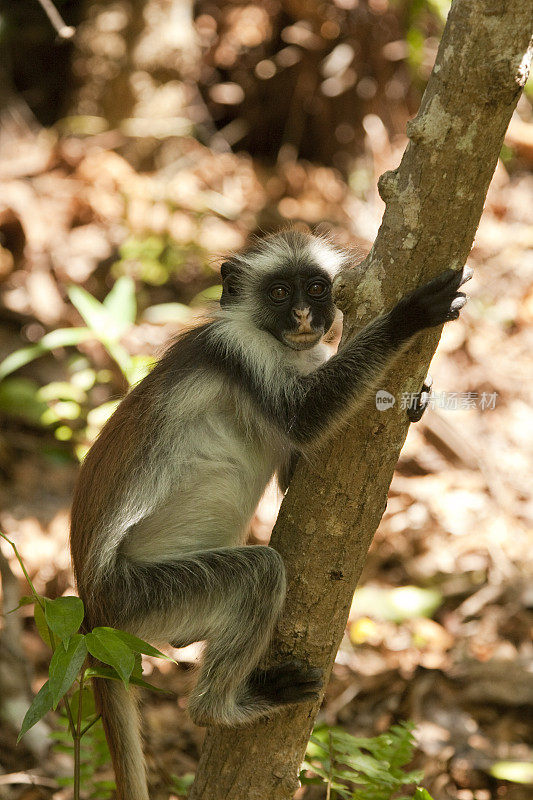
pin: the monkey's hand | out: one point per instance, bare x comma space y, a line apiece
292, 682
436, 302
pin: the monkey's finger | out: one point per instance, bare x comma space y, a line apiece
444, 277
300, 677
297, 696
313, 684
453, 278
288, 667
309, 696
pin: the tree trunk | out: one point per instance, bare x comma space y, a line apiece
334, 504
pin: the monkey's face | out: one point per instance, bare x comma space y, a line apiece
283, 286
296, 307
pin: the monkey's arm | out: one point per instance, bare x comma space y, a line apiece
320, 398
343, 381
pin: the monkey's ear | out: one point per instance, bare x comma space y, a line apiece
230, 285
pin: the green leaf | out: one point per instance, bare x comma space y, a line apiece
26, 600
64, 615
65, 666
147, 247
19, 397
61, 736
304, 780
42, 626
421, 794
19, 358
209, 295
62, 337
121, 302
42, 703
138, 666
137, 368
93, 312
138, 645
373, 765
110, 674
106, 646
65, 337
88, 708
82, 378
167, 312
119, 354
369, 766
61, 390
396, 604
515, 771
182, 783
98, 416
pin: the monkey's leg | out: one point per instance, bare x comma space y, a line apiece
245, 590
231, 597
243, 605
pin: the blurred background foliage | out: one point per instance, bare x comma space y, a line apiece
133, 157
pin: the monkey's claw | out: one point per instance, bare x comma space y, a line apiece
421, 401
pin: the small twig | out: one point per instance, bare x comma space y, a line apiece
23, 568
71, 724
330, 775
64, 31
77, 740
89, 725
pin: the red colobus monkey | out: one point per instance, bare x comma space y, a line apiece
166, 493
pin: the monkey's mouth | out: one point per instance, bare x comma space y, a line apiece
302, 341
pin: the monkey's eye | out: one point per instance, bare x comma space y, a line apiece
317, 289
278, 293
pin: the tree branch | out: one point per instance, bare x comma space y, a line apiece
433, 204
63, 30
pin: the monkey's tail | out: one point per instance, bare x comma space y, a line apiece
120, 716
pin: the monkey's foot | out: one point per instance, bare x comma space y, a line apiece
421, 401
292, 682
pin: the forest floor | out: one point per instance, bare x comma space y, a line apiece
440, 630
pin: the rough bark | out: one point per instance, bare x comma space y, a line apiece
434, 201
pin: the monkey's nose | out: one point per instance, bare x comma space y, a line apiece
301, 314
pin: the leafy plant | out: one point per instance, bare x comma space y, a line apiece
106, 322
94, 751
355, 768
65, 405
514, 771
425, 20
182, 783
116, 655
154, 258
396, 604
